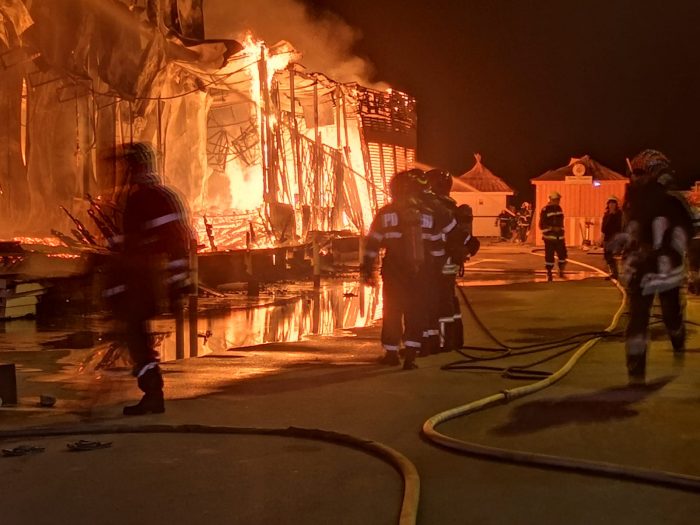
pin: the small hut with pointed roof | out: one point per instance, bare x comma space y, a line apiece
585, 186
486, 193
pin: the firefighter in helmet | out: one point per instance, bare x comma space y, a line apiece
552, 225
460, 244
405, 229
153, 266
657, 227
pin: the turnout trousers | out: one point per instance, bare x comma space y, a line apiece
403, 313
636, 335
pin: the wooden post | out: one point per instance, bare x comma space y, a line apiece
179, 329
318, 165
316, 260
193, 301
8, 384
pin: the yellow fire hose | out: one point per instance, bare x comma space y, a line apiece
671, 479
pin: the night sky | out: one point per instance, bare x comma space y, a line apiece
531, 83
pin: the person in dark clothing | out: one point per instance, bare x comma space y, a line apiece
153, 266
523, 222
506, 222
552, 225
612, 225
460, 245
657, 227
409, 233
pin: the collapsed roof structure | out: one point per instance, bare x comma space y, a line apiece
264, 149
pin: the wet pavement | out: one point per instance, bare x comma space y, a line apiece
328, 380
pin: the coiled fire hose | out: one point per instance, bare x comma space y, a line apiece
669, 479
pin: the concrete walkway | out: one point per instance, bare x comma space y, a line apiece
335, 386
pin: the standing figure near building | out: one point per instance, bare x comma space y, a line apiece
657, 229
506, 221
523, 222
459, 245
694, 247
153, 266
612, 225
552, 225
406, 230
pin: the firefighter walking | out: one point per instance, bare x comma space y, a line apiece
552, 225
657, 229
153, 266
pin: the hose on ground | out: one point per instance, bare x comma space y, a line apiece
408, 471
669, 479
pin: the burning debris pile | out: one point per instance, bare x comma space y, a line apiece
263, 150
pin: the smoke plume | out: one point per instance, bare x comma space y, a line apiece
325, 41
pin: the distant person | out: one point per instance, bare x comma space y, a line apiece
611, 227
552, 225
694, 246
524, 221
506, 222
153, 266
657, 229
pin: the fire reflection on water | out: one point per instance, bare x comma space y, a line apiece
329, 311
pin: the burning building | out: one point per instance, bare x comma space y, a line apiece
262, 149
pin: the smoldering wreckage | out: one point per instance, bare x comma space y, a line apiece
271, 158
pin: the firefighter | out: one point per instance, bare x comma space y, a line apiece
460, 245
612, 225
153, 266
552, 225
523, 222
506, 221
404, 228
657, 227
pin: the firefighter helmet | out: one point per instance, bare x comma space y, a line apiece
555, 195
651, 164
140, 158
406, 184
440, 181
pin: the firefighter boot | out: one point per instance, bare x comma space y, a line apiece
561, 270
409, 362
678, 340
150, 382
550, 278
636, 348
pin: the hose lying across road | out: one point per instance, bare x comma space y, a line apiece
411, 493
670, 479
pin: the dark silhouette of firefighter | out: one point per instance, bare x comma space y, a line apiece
694, 246
407, 230
552, 225
152, 266
460, 244
612, 225
523, 222
657, 227
507, 222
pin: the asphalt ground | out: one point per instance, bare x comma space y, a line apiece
332, 383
